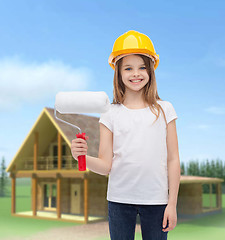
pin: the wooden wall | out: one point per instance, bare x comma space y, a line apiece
190, 199
97, 190
98, 205
65, 195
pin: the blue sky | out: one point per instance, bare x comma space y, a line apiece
51, 46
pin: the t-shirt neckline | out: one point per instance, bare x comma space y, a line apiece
130, 109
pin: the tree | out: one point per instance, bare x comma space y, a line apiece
3, 178
182, 168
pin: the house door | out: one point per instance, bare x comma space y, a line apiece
49, 193
75, 198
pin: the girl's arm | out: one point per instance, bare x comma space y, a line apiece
173, 163
102, 164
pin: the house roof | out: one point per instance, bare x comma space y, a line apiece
87, 124
199, 179
84, 122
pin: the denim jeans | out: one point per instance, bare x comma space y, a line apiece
122, 221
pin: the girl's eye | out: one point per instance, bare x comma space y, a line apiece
130, 68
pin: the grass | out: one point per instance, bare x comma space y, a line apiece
207, 228
18, 226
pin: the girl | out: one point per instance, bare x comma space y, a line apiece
138, 145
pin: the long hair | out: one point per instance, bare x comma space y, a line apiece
150, 93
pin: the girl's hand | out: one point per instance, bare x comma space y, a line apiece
79, 147
170, 215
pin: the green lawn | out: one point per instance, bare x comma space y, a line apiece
207, 228
19, 226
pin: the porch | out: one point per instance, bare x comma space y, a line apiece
49, 215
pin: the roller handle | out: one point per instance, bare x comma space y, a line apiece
81, 158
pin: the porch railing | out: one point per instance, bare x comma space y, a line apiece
48, 163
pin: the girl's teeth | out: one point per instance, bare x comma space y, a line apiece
136, 81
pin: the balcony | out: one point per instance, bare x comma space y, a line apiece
48, 163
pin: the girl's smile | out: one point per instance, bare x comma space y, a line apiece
136, 81
134, 73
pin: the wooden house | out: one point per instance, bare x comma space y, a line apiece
199, 196
61, 192
59, 189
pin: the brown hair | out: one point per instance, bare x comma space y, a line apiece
150, 93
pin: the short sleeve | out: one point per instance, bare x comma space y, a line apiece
170, 112
106, 119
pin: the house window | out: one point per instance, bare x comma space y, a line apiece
53, 200
63, 156
55, 156
50, 194
209, 196
46, 195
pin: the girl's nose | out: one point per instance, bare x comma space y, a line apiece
136, 73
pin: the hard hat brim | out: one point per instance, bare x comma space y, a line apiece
125, 52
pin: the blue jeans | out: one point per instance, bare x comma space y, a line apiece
122, 221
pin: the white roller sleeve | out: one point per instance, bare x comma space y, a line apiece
82, 102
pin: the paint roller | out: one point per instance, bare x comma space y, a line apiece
80, 102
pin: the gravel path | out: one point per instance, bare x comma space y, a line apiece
91, 231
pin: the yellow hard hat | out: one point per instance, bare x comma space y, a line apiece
133, 42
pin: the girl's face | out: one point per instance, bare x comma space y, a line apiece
134, 73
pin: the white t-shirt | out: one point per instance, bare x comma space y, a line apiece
139, 165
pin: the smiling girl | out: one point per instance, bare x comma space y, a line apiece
138, 145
